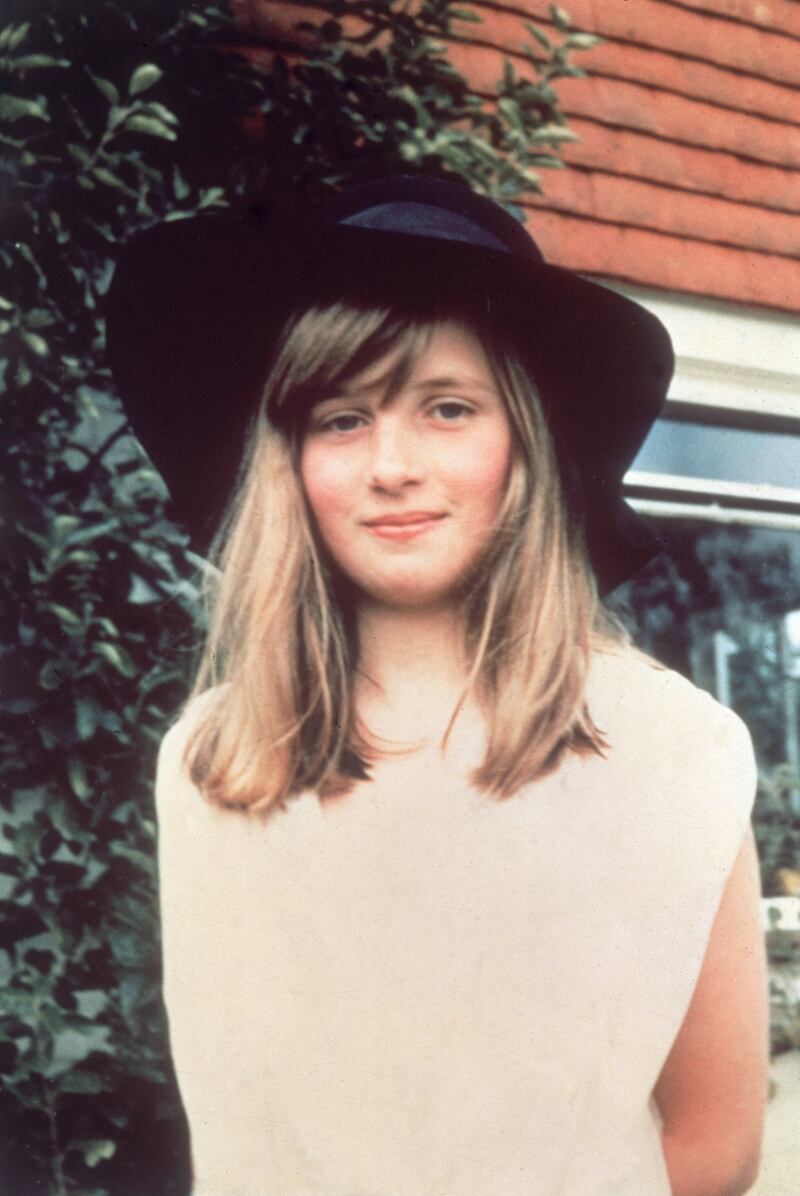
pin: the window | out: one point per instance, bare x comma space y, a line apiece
720, 477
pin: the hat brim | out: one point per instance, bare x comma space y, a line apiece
196, 306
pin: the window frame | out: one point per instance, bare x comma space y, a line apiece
735, 367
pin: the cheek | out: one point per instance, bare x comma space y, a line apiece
481, 477
327, 484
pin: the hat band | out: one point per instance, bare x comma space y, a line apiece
422, 220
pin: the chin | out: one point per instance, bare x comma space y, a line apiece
411, 595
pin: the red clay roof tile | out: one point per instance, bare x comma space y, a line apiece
715, 173
692, 122
689, 33
650, 110
631, 202
673, 263
669, 70
782, 16
695, 80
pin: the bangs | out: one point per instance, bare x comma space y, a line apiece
329, 344
325, 348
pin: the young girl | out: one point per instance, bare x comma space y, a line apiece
458, 897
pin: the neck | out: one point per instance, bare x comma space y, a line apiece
411, 671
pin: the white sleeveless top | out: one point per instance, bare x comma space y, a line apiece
421, 991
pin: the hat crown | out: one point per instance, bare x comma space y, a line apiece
435, 209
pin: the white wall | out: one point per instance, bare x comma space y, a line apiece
737, 367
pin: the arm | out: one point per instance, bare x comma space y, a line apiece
712, 1089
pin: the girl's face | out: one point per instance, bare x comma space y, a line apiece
405, 489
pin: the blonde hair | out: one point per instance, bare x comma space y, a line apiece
281, 648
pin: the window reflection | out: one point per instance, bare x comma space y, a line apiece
725, 453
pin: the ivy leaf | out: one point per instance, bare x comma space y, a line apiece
107, 87
78, 780
162, 112
37, 344
143, 77
14, 35
105, 176
15, 108
131, 988
138, 858
29, 62
117, 657
79, 153
73, 1044
583, 41
51, 674
91, 1002
64, 525
180, 187
39, 317
212, 196
107, 625
510, 110
25, 252
142, 593
69, 620
541, 38
94, 1150
88, 715
560, 18
150, 125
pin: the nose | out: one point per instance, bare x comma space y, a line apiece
394, 458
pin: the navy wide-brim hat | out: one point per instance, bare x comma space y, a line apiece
196, 307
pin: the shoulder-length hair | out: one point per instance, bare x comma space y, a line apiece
281, 649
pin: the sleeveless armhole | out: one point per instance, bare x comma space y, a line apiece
173, 787
185, 853
733, 747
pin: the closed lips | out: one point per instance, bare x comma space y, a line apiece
406, 519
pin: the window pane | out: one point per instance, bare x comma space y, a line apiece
729, 454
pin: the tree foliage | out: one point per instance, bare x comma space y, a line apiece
114, 116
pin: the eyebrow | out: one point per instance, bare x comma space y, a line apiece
446, 380
439, 382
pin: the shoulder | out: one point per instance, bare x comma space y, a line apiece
174, 787
657, 716
625, 685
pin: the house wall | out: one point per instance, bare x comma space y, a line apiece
685, 176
